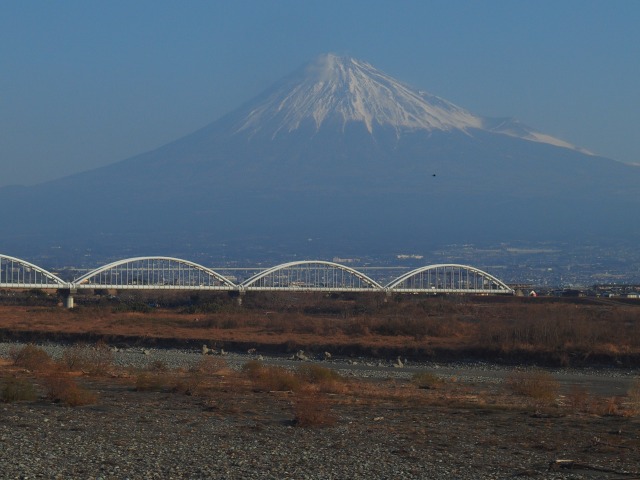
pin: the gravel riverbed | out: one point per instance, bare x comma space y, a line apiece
603, 381
250, 435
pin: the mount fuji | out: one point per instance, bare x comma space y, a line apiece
343, 154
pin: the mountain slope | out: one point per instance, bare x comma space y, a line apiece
343, 153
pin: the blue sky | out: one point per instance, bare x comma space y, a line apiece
87, 83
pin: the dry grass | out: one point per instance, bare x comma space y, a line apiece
559, 331
158, 377
189, 384
59, 387
209, 365
92, 360
267, 378
32, 358
312, 410
66, 390
314, 392
538, 385
15, 389
556, 331
578, 399
633, 398
427, 380
153, 381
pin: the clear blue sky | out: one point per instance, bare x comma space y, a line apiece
85, 83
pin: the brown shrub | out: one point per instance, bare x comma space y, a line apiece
609, 406
324, 379
192, 381
556, 326
208, 365
538, 385
633, 397
188, 384
66, 390
357, 328
427, 380
32, 358
152, 381
279, 379
271, 378
578, 399
318, 374
17, 390
252, 369
158, 366
96, 360
312, 410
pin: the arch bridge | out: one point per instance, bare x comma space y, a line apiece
312, 276
153, 273
448, 278
18, 273
168, 273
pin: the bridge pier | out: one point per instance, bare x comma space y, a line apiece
68, 293
238, 295
241, 294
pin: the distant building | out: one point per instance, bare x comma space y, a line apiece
568, 292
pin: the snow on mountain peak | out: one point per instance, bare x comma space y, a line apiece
343, 89
350, 90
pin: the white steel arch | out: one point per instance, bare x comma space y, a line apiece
311, 275
154, 273
448, 278
15, 272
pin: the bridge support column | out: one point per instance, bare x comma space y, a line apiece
238, 295
68, 293
241, 294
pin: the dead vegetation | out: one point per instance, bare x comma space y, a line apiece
564, 332
314, 394
538, 385
52, 377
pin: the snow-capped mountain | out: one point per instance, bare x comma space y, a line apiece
338, 90
344, 154
342, 90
